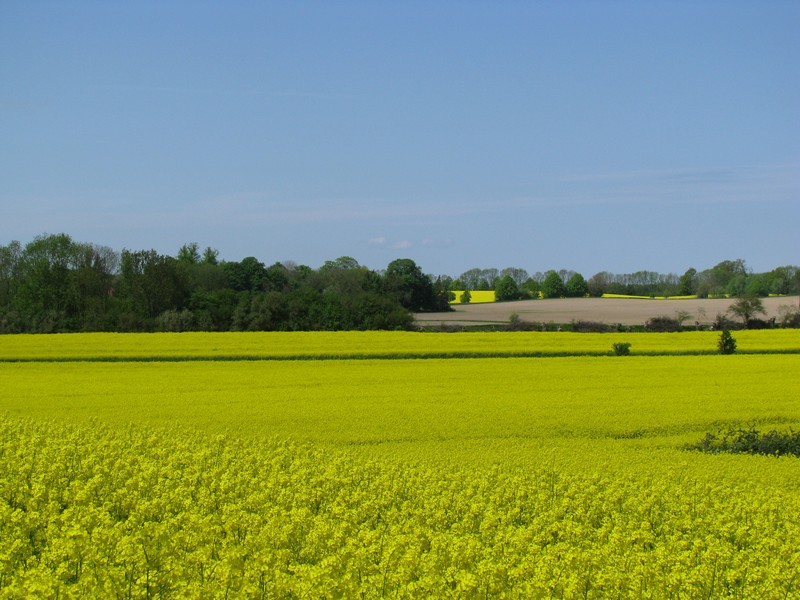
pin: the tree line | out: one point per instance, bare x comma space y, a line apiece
55, 284
728, 278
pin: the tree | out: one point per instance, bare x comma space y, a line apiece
465, 297
519, 276
151, 283
687, 284
553, 285
726, 343
189, 253
343, 262
576, 287
746, 307
506, 289
410, 286
598, 283
245, 275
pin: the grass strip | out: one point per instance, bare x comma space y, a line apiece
362, 356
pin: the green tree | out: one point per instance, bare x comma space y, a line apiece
506, 289
246, 275
151, 283
45, 299
726, 343
746, 307
598, 283
406, 282
553, 286
687, 284
576, 286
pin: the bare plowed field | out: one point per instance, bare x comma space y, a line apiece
626, 311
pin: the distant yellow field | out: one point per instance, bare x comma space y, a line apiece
476, 297
195, 345
692, 297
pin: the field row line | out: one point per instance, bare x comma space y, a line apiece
367, 356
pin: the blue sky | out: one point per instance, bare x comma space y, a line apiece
591, 136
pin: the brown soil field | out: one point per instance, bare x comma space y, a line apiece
625, 311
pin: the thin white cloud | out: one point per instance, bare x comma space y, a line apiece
401, 245
168, 89
377, 241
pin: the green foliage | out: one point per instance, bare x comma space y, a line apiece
751, 441
553, 286
726, 343
688, 283
576, 286
406, 282
746, 307
465, 297
506, 289
55, 284
662, 324
622, 348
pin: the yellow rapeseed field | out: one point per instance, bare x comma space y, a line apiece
249, 345
475, 296
506, 477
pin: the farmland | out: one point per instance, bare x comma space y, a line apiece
627, 311
547, 469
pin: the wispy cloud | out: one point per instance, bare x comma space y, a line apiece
377, 241
719, 185
402, 245
219, 91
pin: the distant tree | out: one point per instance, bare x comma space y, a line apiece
681, 316
530, 288
44, 297
276, 278
576, 286
506, 289
469, 279
783, 280
757, 285
746, 307
151, 283
687, 285
465, 297
343, 262
726, 277
520, 276
189, 253
410, 286
246, 275
598, 283
210, 256
553, 286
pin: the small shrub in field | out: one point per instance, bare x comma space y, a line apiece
726, 343
622, 348
590, 327
515, 323
662, 324
751, 441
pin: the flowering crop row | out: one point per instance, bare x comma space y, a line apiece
176, 346
149, 512
515, 401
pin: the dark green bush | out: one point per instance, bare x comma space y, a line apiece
751, 441
622, 348
663, 324
726, 343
